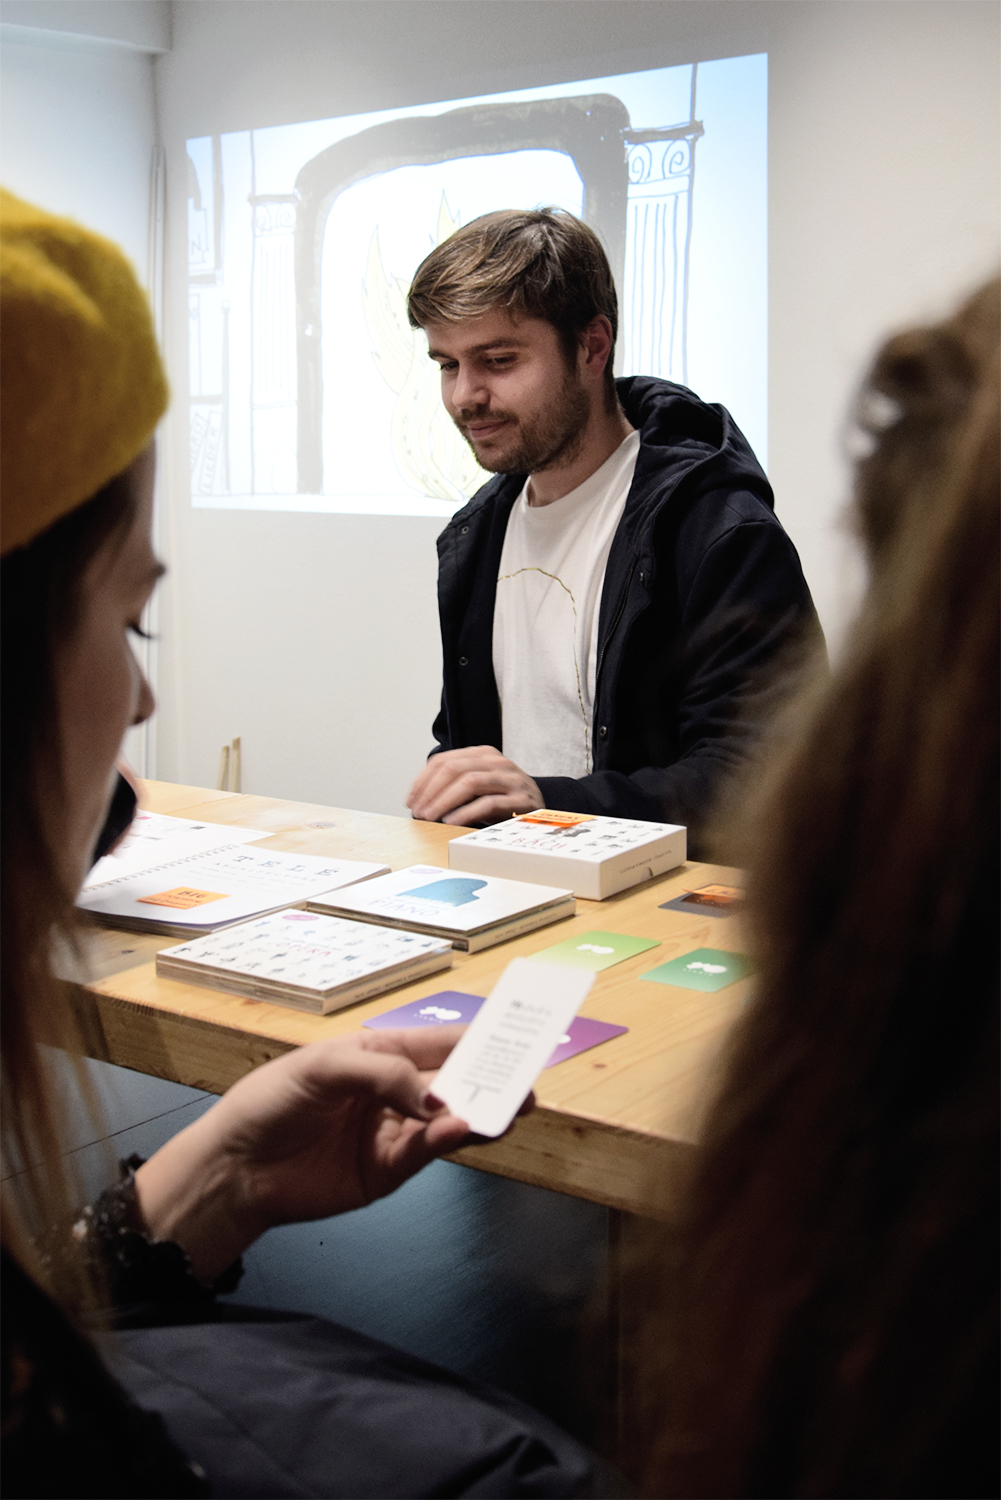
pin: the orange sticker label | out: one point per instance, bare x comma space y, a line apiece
557, 819
183, 897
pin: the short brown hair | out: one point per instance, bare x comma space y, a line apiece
538, 263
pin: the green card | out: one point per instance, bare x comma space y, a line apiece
595, 950
703, 969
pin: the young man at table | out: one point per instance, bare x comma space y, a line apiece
616, 602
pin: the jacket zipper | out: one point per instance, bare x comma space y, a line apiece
611, 631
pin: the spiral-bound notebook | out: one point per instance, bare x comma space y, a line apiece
215, 887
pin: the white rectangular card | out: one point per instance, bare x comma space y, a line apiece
492, 1067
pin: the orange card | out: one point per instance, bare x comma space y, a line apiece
558, 819
715, 895
183, 897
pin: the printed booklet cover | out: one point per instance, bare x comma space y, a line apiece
595, 856
472, 912
207, 891
305, 960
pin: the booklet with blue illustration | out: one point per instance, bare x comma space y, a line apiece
472, 911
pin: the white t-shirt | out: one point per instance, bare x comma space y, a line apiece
545, 641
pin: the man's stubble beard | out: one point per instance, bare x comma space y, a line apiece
554, 437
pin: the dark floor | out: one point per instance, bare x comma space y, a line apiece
488, 1277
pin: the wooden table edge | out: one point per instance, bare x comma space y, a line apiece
564, 1151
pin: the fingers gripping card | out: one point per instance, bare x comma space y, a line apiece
509, 1041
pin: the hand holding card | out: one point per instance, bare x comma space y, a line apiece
508, 1043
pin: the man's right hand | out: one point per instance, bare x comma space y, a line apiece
472, 787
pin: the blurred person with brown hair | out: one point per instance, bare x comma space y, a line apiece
827, 1322
617, 602
204, 1398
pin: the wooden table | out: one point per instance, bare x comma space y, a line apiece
615, 1125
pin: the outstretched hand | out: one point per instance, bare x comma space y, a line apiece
473, 786
322, 1130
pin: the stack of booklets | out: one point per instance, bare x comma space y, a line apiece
202, 878
310, 962
594, 856
470, 913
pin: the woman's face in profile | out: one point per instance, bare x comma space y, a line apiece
100, 688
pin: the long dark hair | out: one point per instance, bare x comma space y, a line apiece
829, 1322
41, 600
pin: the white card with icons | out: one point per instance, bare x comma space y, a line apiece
494, 1064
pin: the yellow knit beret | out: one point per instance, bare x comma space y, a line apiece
81, 382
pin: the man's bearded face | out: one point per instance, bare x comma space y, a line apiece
509, 388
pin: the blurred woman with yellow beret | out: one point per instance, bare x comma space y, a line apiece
229, 1402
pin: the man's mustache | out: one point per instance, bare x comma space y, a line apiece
480, 414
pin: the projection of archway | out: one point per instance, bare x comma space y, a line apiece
590, 128
692, 281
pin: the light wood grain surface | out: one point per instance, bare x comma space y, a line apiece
615, 1124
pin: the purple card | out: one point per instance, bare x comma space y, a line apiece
452, 1007
445, 1008
583, 1033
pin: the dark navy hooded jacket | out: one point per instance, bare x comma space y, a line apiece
703, 599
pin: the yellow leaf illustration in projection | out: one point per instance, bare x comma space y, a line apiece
428, 450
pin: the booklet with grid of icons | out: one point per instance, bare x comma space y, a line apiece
472, 912
215, 888
305, 960
595, 856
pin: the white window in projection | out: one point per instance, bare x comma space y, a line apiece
309, 390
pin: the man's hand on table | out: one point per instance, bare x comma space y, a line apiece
472, 787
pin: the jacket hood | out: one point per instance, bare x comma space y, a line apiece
698, 434
681, 439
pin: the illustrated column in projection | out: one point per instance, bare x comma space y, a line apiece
658, 231
208, 321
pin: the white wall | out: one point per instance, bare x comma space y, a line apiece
143, 24
77, 132
77, 129
884, 201
315, 637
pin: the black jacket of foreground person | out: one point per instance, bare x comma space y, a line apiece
703, 599
183, 1397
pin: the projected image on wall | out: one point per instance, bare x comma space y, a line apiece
308, 388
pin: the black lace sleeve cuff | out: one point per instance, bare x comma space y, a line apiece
138, 1269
